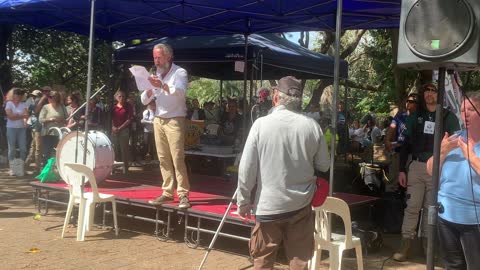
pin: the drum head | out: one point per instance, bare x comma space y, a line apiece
100, 154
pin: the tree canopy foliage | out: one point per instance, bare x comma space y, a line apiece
31, 58
55, 58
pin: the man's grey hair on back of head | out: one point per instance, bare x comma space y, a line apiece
167, 49
290, 102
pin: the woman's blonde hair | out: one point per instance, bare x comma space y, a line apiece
55, 95
13, 91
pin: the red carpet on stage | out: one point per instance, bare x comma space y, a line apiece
213, 197
212, 194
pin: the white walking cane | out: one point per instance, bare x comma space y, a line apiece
218, 231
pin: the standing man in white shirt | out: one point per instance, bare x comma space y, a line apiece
281, 154
170, 82
148, 133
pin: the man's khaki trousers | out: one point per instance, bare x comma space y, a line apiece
419, 194
169, 140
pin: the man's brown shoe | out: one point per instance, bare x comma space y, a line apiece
160, 200
184, 203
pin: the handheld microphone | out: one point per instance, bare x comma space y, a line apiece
153, 70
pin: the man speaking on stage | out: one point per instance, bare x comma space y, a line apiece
282, 151
170, 82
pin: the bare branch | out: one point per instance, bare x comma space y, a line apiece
355, 59
353, 45
329, 38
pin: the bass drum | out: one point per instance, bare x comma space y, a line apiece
100, 154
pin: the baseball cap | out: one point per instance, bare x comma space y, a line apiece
290, 86
430, 84
36, 93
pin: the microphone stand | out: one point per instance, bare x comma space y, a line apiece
85, 103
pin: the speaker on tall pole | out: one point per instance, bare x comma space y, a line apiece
443, 35
439, 33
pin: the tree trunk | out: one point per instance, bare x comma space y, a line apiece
401, 85
317, 93
329, 38
5, 63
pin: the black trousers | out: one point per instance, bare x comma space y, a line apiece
49, 143
459, 245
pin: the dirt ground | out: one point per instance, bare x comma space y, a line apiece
30, 241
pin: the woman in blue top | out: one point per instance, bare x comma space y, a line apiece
459, 194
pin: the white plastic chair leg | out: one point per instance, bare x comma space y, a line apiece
315, 261
81, 226
90, 214
68, 215
335, 259
115, 222
358, 251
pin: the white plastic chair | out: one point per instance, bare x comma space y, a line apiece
334, 243
74, 173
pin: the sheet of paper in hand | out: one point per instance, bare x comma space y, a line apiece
141, 78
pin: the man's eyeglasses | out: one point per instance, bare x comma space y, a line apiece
430, 89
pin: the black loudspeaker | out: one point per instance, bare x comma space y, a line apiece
439, 33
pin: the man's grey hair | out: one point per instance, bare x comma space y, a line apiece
167, 49
474, 96
290, 102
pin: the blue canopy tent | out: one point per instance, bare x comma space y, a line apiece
214, 57
129, 19
120, 20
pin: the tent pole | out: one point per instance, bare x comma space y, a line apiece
89, 75
221, 93
81, 228
245, 79
432, 207
250, 100
336, 81
347, 117
107, 123
261, 69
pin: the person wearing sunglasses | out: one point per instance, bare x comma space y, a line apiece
419, 138
396, 133
53, 114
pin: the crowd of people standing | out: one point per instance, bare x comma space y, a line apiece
283, 152
29, 118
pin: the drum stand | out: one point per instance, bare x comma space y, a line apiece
210, 247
